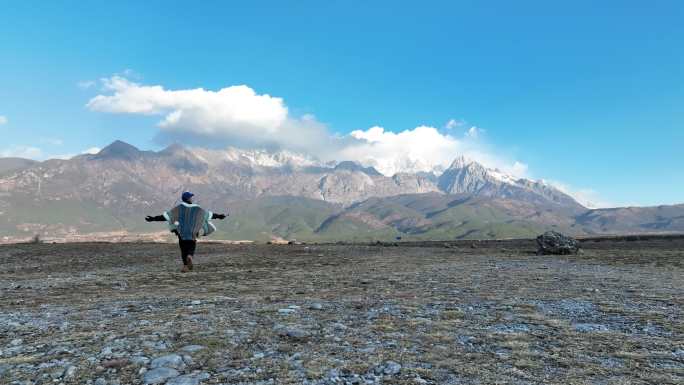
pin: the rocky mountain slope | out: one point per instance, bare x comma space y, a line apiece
14, 164
469, 177
283, 194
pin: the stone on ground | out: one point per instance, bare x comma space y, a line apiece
169, 361
159, 376
555, 243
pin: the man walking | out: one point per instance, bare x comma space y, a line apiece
188, 221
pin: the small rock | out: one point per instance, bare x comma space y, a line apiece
194, 303
158, 376
316, 306
203, 376
339, 326
588, 328
139, 360
169, 361
184, 380
100, 381
333, 374
293, 333
192, 348
70, 371
391, 368
286, 311
189, 379
57, 373
16, 342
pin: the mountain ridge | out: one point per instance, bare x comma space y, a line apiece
343, 200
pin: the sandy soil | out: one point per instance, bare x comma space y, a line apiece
431, 313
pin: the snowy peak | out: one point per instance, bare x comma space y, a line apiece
466, 176
255, 171
256, 158
461, 162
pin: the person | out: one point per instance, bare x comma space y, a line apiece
188, 221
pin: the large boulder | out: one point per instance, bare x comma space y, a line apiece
555, 243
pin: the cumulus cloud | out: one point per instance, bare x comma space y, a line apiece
3, 120
231, 111
239, 116
423, 148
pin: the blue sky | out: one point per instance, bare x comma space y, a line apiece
585, 93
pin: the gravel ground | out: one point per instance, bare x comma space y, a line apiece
433, 313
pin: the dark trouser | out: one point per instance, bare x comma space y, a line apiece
187, 248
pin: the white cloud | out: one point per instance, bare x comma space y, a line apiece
232, 111
453, 123
474, 132
239, 116
89, 151
423, 148
3, 120
86, 84
587, 197
27, 152
92, 150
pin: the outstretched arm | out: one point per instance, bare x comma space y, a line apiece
158, 218
218, 216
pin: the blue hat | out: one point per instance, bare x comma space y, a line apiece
187, 195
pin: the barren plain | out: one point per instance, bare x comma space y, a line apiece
409, 313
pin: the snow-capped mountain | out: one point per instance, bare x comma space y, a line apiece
254, 173
466, 176
287, 193
256, 157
